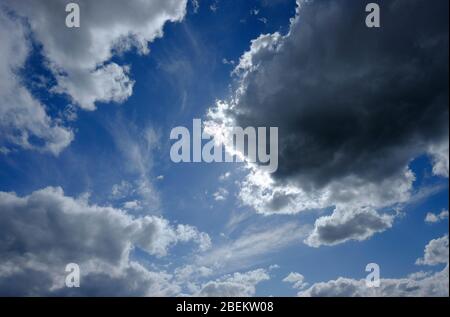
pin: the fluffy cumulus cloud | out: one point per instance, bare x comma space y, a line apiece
221, 194
235, 285
439, 154
415, 285
433, 218
43, 232
22, 116
343, 225
79, 58
436, 252
353, 106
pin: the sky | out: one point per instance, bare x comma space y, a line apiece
86, 175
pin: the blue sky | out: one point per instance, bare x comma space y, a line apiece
119, 157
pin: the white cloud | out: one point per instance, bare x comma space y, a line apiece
349, 221
189, 271
418, 284
121, 190
236, 218
137, 195
195, 5
344, 224
107, 84
252, 246
332, 152
236, 285
433, 218
214, 7
224, 176
263, 20
185, 233
439, 154
436, 252
42, 232
79, 59
260, 191
227, 62
221, 194
296, 279
132, 205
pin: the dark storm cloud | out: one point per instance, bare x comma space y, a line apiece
418, 284
344, 225
349, 100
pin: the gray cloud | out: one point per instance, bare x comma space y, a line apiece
43, 232
436, 252
343, 225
